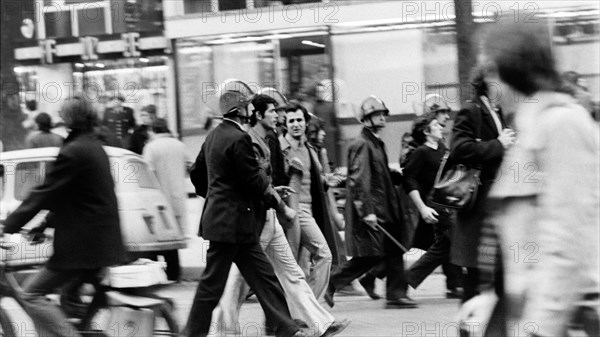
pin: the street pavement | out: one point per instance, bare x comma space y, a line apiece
435, 315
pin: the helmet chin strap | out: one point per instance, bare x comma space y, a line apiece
373, 127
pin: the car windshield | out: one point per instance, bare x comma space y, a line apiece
133, 173
27, 176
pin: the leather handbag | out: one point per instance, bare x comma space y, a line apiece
458, 187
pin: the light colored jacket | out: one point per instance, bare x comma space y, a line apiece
548, 217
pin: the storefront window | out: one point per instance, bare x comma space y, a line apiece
201, 67
391, 67
140, 82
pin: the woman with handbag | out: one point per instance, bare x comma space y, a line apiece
545, 204
419, 176
479, 139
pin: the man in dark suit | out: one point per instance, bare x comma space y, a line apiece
119, 120
237, 192
79, 192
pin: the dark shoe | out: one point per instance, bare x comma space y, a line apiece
454, 293
336, 327
352, 289
401, 303
328, 297
368, 282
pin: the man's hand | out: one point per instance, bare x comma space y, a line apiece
475, 314
284, 191
429, 215
507, 138
332, 179
36, 235
371, 221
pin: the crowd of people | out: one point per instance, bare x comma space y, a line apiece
264, 175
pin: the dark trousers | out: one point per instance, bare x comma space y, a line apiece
48, 318
437, 254
470, 283
256, 270
393, 264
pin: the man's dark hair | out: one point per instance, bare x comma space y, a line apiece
160, 126
150, 108
82, 113
260, 103
522, 56
421, 125
478, 82
44, 122
31, 105
295, 107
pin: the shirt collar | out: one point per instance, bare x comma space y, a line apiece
294, 144
234, 122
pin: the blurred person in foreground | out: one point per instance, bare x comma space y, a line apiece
78, 190
44, 137
550, 212
238, 192
165, 155
479, 139
371, 201
302, 302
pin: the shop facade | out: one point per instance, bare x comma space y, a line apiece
95, 49
331, 57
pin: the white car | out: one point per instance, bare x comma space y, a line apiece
147, 223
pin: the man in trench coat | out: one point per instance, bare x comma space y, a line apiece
371, 199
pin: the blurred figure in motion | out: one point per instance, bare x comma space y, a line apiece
43, 138
550, 212
78, 190
165, 156
479, 139
371, 201
140, 135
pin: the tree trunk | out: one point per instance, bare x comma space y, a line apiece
465, 30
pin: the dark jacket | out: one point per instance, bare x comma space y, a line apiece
139, 138
370, 191
120, 123
78, 190
280, 177
474, 142
228, 176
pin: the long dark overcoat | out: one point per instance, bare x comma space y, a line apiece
474, 142
78, 190
370, 190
